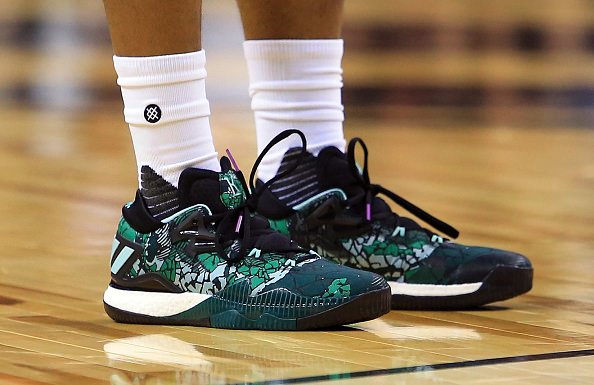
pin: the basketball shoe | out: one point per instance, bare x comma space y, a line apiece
214, 263
329, 204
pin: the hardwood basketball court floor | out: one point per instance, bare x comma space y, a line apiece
479, 112
65, 178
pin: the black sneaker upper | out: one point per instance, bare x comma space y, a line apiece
342, 218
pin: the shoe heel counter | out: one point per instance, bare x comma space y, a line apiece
124, 250
280, 225
271, 207
125, 230
119, 249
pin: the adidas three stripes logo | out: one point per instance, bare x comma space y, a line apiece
119, 255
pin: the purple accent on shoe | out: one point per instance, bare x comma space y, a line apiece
235, 166
368, 211
238, 225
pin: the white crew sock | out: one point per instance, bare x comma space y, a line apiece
295, 84
166, 107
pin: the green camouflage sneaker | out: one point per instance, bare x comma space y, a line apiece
214, 263
327, 203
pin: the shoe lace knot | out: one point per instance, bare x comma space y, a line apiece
371, 190
241, 223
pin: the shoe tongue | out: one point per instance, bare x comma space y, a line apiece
335, 172
220, 191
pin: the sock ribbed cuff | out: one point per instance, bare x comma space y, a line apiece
295, 84
155, 70
154, 79
283, 50
166, 107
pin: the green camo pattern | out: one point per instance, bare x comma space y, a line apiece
396, 253
208, 273
231, 190
274, 286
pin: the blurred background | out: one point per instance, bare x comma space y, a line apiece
487, 105
478, 111
423, 63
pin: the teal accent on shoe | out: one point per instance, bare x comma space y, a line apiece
114, 247
186, 210
275, 310
232, 194
316, 197
360, 230
121, 259
281, 225
255, 279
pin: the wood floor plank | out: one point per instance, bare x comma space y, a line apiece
55, 270
67, 167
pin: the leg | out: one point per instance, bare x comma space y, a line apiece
183, 252
291, 19
153, 27
294, 58
161, 71
296, 83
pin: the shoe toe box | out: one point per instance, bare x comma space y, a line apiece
467, 264
326, 279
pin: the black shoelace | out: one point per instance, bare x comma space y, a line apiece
370, 190
247, 227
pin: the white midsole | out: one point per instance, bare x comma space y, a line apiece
419, 290
152, 303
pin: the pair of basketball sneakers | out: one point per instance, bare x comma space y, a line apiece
313, 247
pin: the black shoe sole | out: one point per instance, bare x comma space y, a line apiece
360, 308
502, 283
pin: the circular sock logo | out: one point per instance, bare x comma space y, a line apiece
152, 113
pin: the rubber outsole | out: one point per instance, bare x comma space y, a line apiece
363, 307
504, 282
